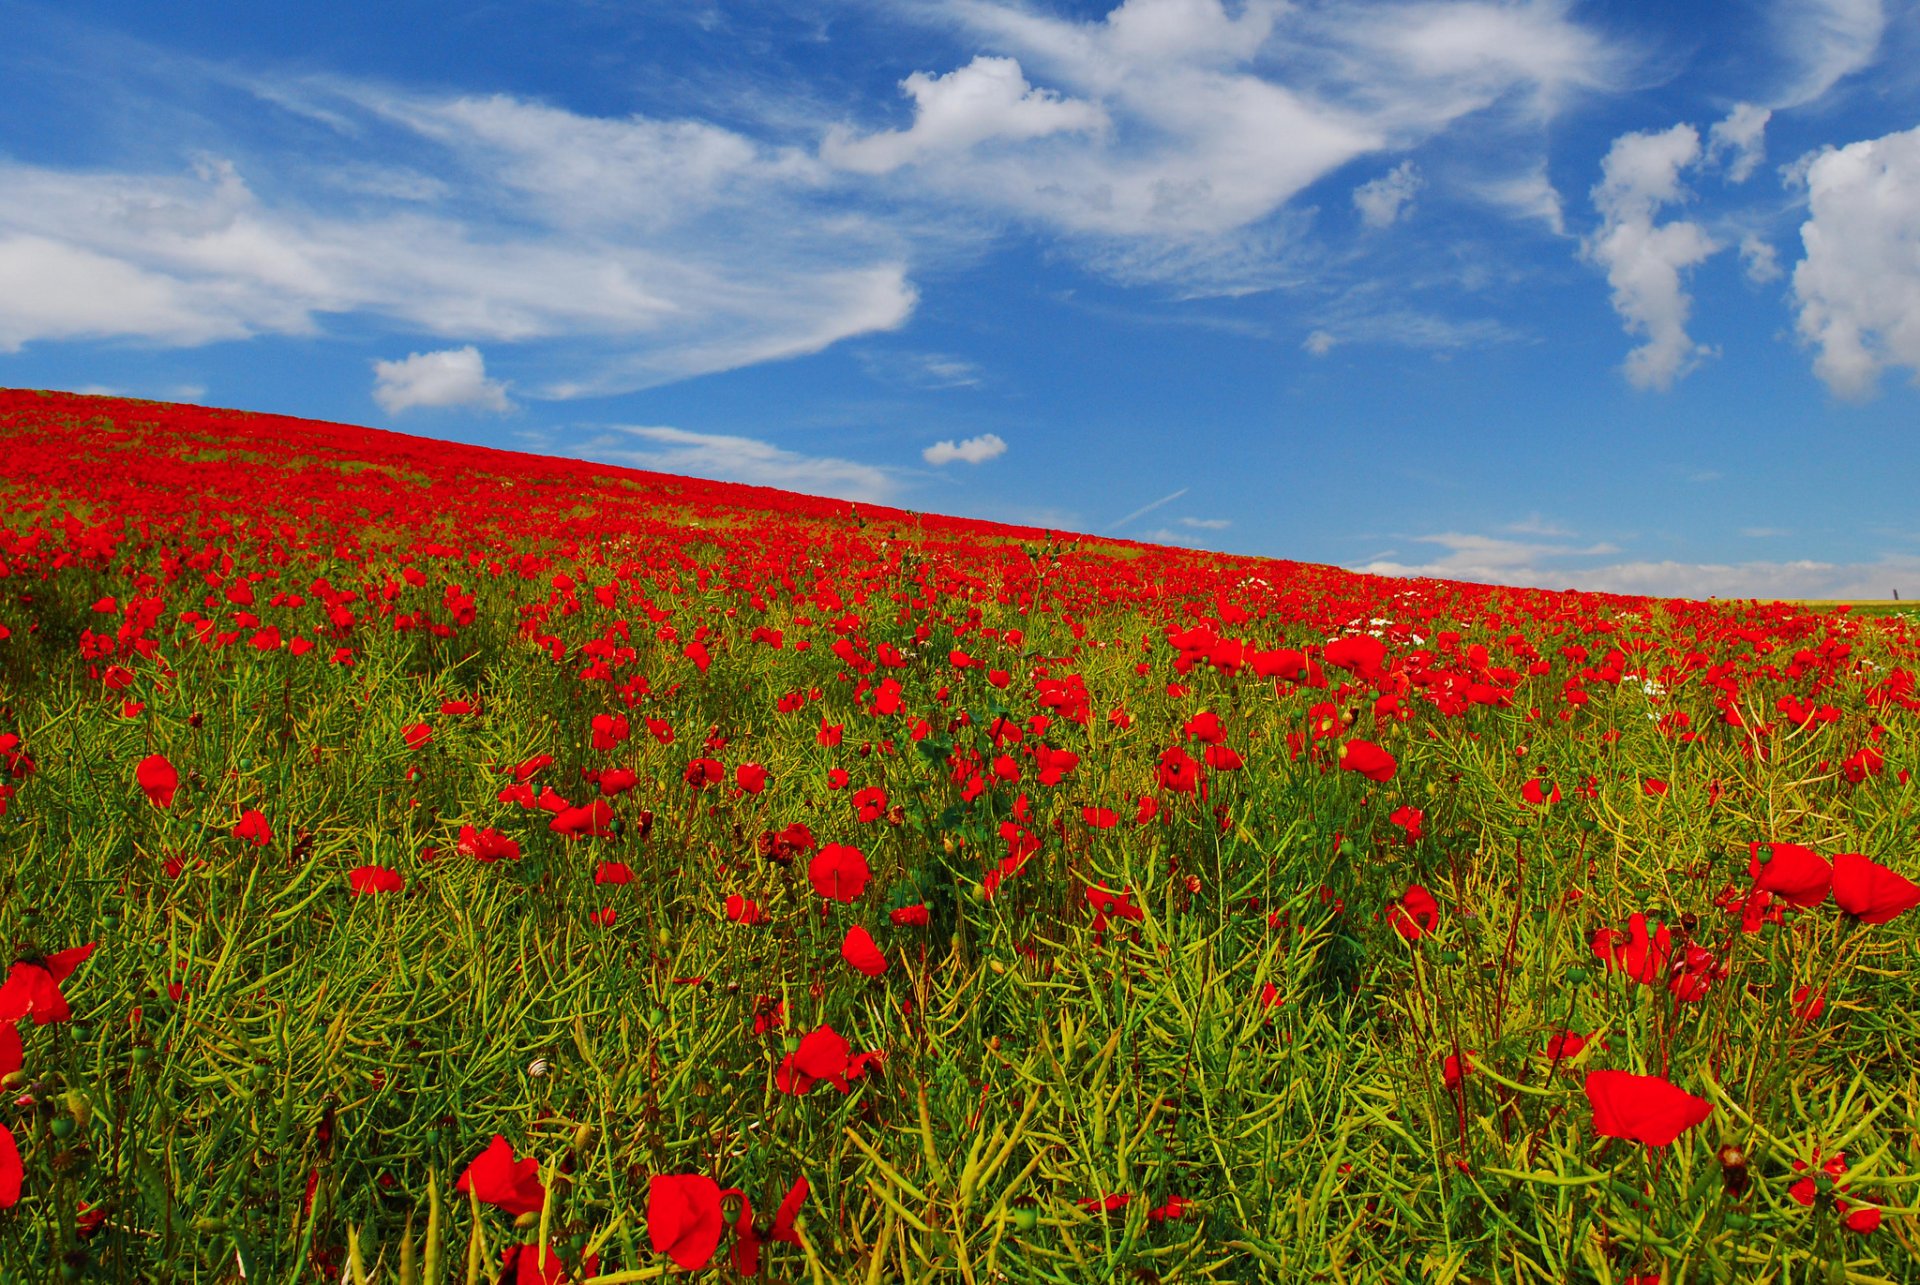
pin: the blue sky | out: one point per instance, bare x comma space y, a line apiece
1608, 296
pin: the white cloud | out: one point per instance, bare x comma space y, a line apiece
1383, 200
1529, 196
986, 100
1215, 117
974, 450
1741, 138
1828, 40
1760, 261
744, 459
1490, 560
926, 370
1644, 262
660, 249
1319, 343
456, 377
1859, 285
1207, 524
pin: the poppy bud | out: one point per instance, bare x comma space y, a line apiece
1763, 854
1733, 1169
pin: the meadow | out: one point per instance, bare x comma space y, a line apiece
423, 863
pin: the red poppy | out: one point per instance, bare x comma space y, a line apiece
870, 803
1642, 1108
1358, 654
12, 1173
1539, 792
860, 951
416, 735
839, 872
750, 777
1567, 1044
1797, 875
1176, 1207
497, 1179
252, 826
1415, 914
1100, 818
1105, 1204
1869, 891
614, 872
362, 880
1808, 1003
618, 780
1179, 771
595, 819
1368, 759
1410, 819
158, 778
703, 772
488, 844
915, 916
523, 1264
742, 910
684, 1220
32, 988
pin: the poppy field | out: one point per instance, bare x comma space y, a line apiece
423, 863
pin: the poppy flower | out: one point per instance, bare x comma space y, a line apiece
1414, 915
1869, 891
32, 988
12, 1054
12, 1173
870, 803
594, 819
1100, 818
1176, 1207
1642, 1108
1105, 1204
1539, 792
915, 916
613, 872
618, 780
1797, 875
362, 880
253, 827
684, 1220
488, 844
1567, 1044
750, 777
496, 1178
839, 872
1410, 819
158, 778
742, 910
823, 1054
860, 952
416, 735
1456, 1068
1179, 771
524, 1264
1368, 759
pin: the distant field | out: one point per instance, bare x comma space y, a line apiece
428, 864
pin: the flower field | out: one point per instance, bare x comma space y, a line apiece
423, 863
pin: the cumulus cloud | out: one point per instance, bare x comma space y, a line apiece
659, 248
1741, 140
1383, 200
1858, 287
726, 458
455, 377
1644, 262
986, 100
973, 450
1165, 135
1759, 260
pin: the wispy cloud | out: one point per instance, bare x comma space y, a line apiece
659, 248
741, 459
1593, 567
1145, 509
